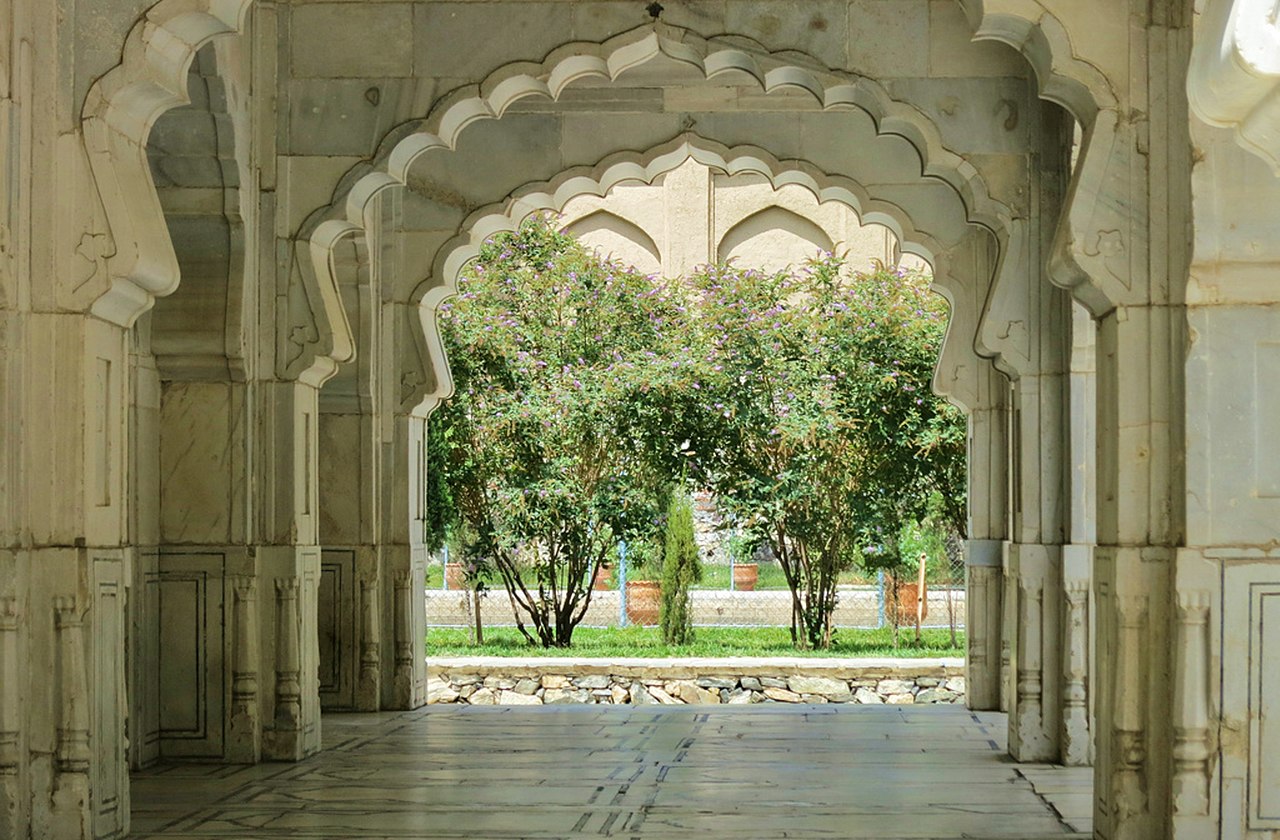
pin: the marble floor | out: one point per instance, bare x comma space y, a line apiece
764, 771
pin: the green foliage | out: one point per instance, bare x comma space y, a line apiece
584, 389
535, 450
681, 568
806, 400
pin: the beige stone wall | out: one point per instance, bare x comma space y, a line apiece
694, 216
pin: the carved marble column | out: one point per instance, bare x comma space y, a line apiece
1129, 723
245, 735
1191, 747
1075, 675
10, 722
287, 720
403, 682
368, 686
72, 757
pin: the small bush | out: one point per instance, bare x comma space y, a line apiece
680, 570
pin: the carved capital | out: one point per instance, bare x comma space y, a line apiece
66, 610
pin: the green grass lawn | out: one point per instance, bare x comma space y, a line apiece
616, 642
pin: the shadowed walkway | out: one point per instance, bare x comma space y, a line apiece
763, 771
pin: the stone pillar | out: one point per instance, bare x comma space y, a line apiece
1034, 565
1077, 556
354, 416
1138, 473
984, 550
289, 569
404, 621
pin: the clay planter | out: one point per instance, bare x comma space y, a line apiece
905, 597
600, 582
744, 576
644, 597
455, 577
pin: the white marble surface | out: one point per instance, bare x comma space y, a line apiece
767, 771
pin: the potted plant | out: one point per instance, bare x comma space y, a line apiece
644, 591
742, 561
603, 578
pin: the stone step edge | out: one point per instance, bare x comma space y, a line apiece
852, 668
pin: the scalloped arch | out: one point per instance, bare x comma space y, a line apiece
1040, 37
713, 57
119, 111
551, 196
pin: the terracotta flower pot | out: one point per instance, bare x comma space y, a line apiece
745, 576
600, 582
455, 577
906, 596
644, 598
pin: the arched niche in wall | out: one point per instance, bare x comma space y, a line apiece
612, 236
196, 332
772, 239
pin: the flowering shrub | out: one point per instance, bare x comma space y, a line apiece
585, 390
808, 404
548, 343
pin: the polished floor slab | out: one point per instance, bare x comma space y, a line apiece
764, 771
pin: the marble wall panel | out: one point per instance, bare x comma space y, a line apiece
337, 602
198, 456
1250, 739
190, 597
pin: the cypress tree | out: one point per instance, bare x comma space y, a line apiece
680, 569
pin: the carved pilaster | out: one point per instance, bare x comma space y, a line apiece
245, 726
1129, 748
73, 721
10, 732
11, 783
1029, 707
367, 687
1008, 627
1075, 690
1191, 749
288, 714
403, 640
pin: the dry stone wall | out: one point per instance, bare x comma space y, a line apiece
533, 682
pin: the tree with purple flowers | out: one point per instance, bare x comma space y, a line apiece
549, 346
807, 402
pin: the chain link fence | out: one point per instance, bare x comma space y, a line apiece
727, 597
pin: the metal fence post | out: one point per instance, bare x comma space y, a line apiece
622, 583
880, 598
444, 569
